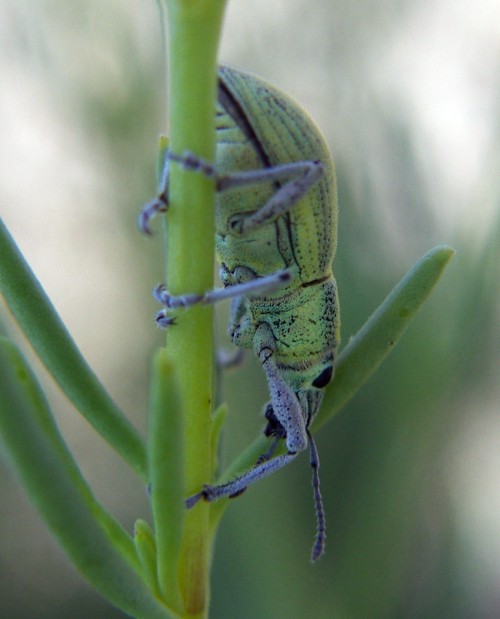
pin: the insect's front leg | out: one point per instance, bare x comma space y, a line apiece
285, 404
287, 411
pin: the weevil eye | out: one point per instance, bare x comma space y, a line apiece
324, 378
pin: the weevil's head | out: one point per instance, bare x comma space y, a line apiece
308, 384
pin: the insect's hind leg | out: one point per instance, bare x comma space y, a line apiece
160, 203
295, 178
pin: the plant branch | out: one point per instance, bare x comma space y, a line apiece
193, 30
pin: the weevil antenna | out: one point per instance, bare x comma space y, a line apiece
319, 543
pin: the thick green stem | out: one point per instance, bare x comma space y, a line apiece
193, 29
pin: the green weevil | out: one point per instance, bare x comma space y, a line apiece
276, 227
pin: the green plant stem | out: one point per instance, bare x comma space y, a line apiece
49, 337
193, 29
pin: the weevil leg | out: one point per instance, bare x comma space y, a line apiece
240, 328
269, 283
193, 163
150, 210
238, 310
288, 412
236, 486
158, 204
301, 175
298, 177
319, 542
286, 406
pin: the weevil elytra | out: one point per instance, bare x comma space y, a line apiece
276, 226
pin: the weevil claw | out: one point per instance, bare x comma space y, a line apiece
192, 500
164, 321
148, 211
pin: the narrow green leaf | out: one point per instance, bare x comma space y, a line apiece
145, 545
96, 543
220, 416
161, 158
166, 452
47, 334
378, 336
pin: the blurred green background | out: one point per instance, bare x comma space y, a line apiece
407, 95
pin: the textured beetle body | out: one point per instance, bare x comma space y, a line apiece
260, 127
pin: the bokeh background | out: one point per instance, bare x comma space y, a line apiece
408, 96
